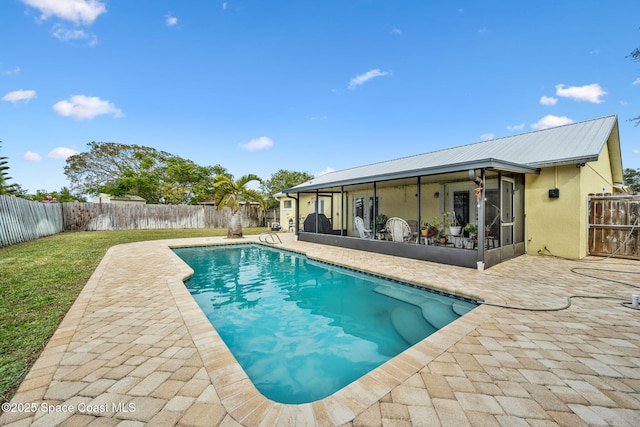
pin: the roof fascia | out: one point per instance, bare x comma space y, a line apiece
491, 163
567, 161
615, 155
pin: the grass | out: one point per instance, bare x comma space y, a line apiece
40, 280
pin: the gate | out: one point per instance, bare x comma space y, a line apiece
614, 225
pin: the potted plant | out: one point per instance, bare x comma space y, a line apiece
381, 221
429, 229
451, 222
472, 229
442, 237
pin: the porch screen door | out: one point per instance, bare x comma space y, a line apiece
507, 207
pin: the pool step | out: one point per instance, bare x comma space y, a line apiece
410, 325
434, 312
461, 308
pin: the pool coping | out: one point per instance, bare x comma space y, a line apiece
246, 404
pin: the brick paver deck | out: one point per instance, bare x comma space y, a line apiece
135, 349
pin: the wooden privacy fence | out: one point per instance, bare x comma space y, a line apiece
126, 216
23, 220
614, 225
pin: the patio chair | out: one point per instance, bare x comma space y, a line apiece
415, 230
363, 232
398, 229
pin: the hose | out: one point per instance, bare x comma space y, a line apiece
564, 307
574, 270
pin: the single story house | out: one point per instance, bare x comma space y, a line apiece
107, 198
526, 191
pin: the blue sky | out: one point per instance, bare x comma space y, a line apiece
312, 86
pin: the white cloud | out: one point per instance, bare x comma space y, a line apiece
83, 107
324, 172
171, 20
487, 136
224, 5
62, 153
30, 156
516, 127
19, 95
13, 72
362, 78
636, 81
257, 144
551, 121
65, 34
548, 100
76, 11
319, 117
589, 93
396, 31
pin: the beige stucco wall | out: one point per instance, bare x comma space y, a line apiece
394, 201
561, 224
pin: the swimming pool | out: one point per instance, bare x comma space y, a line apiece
303, 329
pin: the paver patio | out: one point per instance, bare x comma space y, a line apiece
135, 349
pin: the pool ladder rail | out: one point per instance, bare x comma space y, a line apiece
270, 238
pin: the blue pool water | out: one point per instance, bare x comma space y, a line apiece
302, 329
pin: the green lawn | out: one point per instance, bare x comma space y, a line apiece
40, 280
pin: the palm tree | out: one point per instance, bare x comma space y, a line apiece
5, 187
230, 193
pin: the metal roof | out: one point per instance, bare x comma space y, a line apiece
569, 144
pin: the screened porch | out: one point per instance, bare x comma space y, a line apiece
485, 204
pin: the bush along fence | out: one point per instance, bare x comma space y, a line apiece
22, 220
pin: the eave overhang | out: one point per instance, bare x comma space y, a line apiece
492, 164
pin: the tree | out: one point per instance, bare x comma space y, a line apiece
186, 182
143, 181
5, 187
156, 176
632, 179
635, 56
64, 195
231, 194
107, 162
281, 180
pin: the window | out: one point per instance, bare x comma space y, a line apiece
363, 207
461, 207
287, 204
